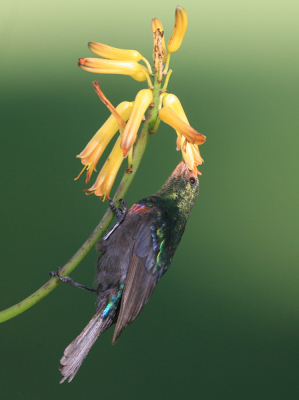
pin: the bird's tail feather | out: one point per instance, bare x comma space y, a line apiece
77, 351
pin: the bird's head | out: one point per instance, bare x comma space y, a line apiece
181, 188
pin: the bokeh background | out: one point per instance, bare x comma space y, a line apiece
224, 321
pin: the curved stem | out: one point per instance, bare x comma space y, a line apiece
148, 65
164, 88
167, 63
104, 223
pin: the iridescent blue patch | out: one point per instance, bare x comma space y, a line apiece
113, 303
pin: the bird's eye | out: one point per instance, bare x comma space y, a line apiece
192, 180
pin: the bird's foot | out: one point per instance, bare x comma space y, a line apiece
120, 214
70, 281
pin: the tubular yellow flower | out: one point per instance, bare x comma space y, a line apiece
190, 151
96, 146
107, 175
142, 101
170, 117
157, 25
113, 53
180, 26
99, 66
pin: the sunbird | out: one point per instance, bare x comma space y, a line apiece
133, 257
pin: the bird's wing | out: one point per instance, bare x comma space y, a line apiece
144, 271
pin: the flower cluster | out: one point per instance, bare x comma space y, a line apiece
127, 116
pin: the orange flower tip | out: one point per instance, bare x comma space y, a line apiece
87, 177
125, 152
81, 61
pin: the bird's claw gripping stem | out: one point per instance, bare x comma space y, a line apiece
120, 214
70, 281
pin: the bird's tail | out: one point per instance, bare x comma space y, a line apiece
77, 351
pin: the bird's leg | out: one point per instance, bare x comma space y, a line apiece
120, 216
70, 281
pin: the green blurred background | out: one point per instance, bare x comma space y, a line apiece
224, 322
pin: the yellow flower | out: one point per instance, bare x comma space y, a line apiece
96, 146
126, 62
180, 26
142, 101
107, 175
179, 121
113, 53
103, 66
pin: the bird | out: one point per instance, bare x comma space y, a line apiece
134, 255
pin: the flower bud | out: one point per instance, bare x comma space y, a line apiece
142, 101
180, 26
113, 53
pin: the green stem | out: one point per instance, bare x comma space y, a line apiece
167, 63
164, 88
104, 223
148, 65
